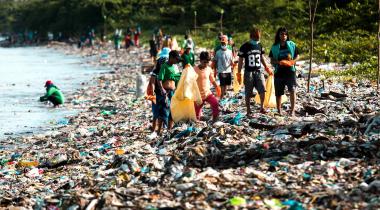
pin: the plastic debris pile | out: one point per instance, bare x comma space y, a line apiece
327, 157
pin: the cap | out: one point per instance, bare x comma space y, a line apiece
189, 45
224, 39
48, 82
174, 54
164, 52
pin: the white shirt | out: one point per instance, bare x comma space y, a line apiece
224, 60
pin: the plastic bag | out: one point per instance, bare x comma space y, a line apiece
141, 85
270, 96
235, 84
187, 92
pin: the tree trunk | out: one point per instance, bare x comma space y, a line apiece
312, 11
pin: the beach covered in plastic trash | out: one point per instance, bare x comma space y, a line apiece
325, 157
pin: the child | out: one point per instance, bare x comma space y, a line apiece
223, 63
251, 53
205, 76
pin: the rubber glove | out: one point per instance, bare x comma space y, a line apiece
238, 75
218, 91
287, 63
151, 98
269, 70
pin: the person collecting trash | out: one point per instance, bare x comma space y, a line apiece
153, 90
284, 55
205, 77
251, 54
53, 94
167, 78
223, 64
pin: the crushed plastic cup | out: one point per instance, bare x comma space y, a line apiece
237, 201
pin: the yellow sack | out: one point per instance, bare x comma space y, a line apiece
187, 92
270, 96
235, 83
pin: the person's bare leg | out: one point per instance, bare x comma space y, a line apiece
248, 105
154, 123
159, 126
262, 97
293, 98
170, 124
223, 88
278, 103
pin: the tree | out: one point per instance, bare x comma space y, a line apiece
312, 11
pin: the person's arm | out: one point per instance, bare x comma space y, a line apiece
240, 64
218, 90
160, 78
214, 65
267, 68
296, 56
212, 80
152, 81
48, 93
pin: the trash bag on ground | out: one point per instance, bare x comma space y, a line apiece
270, 96
141, 85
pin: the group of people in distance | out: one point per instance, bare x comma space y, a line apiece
166, 74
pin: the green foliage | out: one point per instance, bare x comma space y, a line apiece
345, 31
366, 70
346, 46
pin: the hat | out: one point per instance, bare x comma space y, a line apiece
224, 39
164, 52
174, 54
189, 45
48, 82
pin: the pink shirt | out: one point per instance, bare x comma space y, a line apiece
205, 77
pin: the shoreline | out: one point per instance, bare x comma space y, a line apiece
69, 109
102, 158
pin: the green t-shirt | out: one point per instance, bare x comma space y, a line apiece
169, 72
53, 91
188, 59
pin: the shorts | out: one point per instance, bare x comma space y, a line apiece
254, 79
155, 111
55, 100
225, 79
280, 83
163, 106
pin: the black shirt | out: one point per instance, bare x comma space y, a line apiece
252, 54
283, 71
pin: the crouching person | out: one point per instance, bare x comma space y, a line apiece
53, 94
